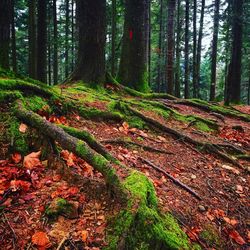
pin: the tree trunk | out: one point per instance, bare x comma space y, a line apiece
13, 37
50, 14
32, 38
72, 36
91, 54
113, 54
5, 22
199, 46
186, 66
195, 88
41, 40
67, 39
234, 78
55, 32
214, 50
178, 52
149, 41
133, 65
170, 47
159, 64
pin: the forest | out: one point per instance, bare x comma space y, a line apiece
124, 124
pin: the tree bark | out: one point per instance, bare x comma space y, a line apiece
133, 65
13, 37
32, 38
5, 22
170, 47
199, 46
186, 64
195, 88
55, 41
178, 52
67, 39
91, 53
234, 78
159, 64
214, 50
113, 39
42, 40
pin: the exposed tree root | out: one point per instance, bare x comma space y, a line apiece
177, 182
206, 146
140, 223
131, 143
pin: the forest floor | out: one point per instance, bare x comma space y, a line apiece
219, 220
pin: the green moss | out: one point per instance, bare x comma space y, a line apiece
36, 103
8, 96
146, 229
211, 236
18, 140
58, 207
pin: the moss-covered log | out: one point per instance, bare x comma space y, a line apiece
139, 225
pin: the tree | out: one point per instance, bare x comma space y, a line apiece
234, 72
214, 49
195, 87
32, 38
113, 37
55, 59
133, 66
186, 51
199, 46
67, 39
41, 40
170, 47
5, 22
159, 72
13, 37
91, 54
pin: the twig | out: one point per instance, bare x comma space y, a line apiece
177, 182
149, 148
12, 230
62, 242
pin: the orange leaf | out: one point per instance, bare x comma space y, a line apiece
40, 239
16, 157
84, 235
236, 236
23, 127
32, 160
15, 184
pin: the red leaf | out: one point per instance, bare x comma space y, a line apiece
16, 157
32, 160
236, 236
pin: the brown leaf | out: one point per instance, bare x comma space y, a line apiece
16, 184
236, 236
32, 160
23, 127
41, 239
84, 235
16, 157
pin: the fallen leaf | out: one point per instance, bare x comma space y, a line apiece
84, 235
23, 127
32, 160
41, 239
16, 157
232, 222
236, 236
234, 170
16, 184
239, 189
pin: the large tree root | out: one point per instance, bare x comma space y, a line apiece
139, 223
206, 146
226, 111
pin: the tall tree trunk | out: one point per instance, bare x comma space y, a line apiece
72, 36
50, 14
5, 22
32, 38
214, 50
113, 38
13, 37
149, 41
133, 65
67, 39
199, 46
178, 52
41, 40
91, 53
234, 78
170, 47
186, 64
195, 88
55, 61
159, 64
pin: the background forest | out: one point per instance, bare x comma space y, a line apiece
190, 44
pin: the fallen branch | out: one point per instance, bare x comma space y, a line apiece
131, 143
177, 182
